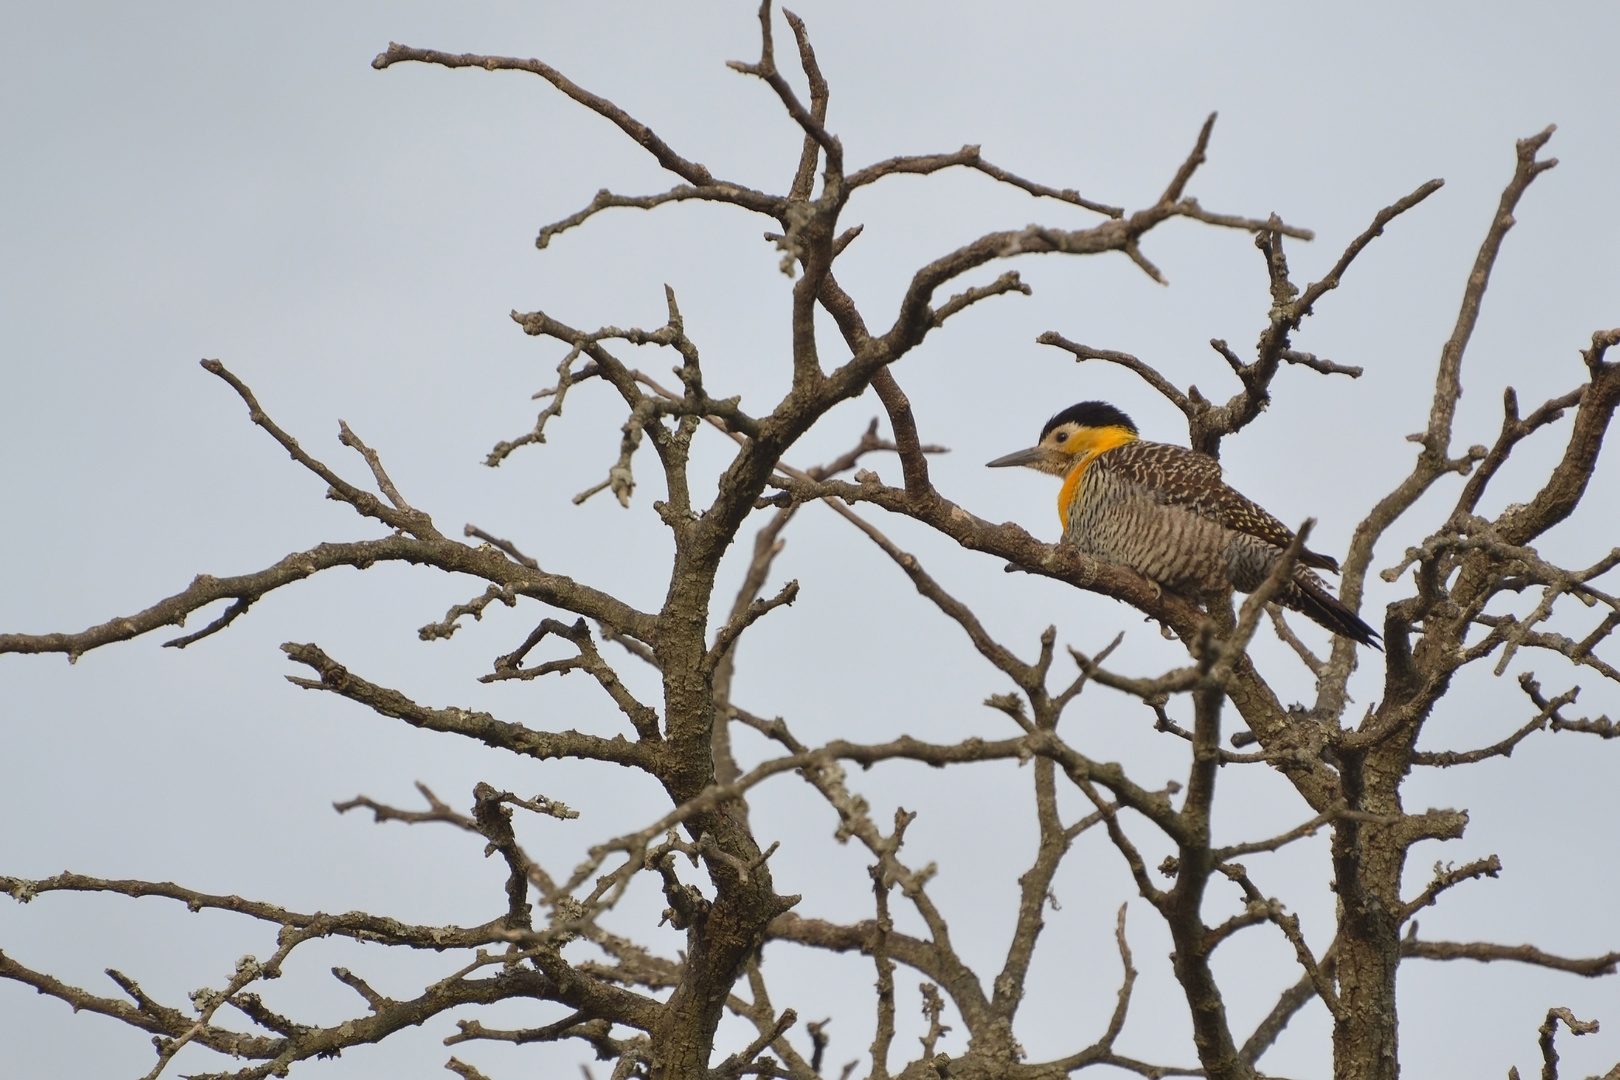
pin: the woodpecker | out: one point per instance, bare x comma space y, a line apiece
1163, 511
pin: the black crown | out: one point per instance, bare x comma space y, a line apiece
1092, 414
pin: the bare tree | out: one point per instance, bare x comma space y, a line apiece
658, 1016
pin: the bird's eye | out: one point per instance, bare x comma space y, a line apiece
1062, 436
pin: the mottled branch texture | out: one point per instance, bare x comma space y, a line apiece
558, 946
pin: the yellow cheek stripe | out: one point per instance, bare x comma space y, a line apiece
1092, 443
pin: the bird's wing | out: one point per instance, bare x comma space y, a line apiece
1177, 476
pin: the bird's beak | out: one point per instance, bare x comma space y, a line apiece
1034, 457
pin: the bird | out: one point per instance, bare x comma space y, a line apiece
1165, 512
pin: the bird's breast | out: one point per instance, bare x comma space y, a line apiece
1123, 522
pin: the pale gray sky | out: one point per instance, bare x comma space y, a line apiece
235, 181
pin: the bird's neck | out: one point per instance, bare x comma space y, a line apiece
1096, 441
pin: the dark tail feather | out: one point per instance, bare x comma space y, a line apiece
1322, 607
1319, 561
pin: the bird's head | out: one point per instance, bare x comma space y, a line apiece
1073, 437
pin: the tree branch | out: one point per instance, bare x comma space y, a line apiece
503, 735
1488, 952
